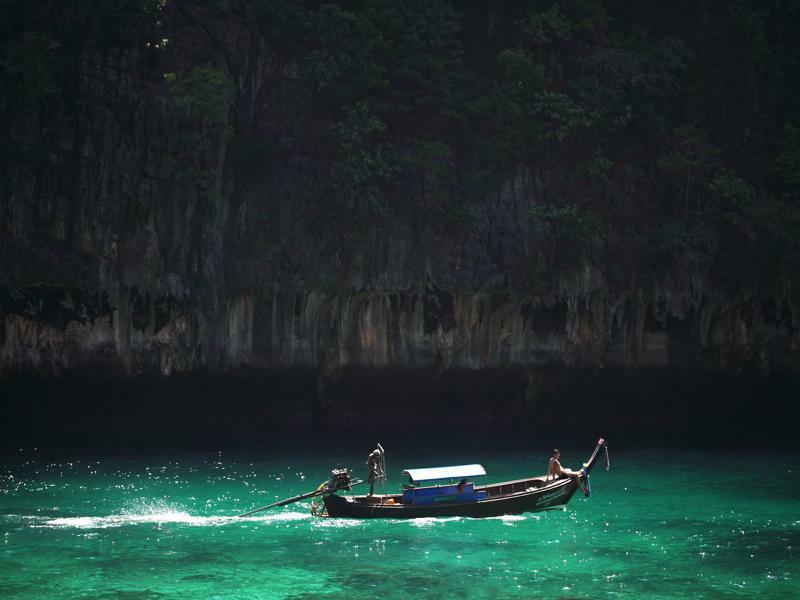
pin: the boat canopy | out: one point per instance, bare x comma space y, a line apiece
437, 473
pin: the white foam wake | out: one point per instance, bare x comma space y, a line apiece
169, 517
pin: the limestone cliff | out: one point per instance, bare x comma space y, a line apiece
119, 255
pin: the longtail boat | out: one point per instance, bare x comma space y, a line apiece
432, 492
426, 496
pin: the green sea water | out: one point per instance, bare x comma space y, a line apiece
662, 523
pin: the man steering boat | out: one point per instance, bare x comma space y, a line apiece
375, 467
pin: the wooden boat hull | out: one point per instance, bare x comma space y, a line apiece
543, 498
532, 494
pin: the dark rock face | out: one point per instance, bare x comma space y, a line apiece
110, 263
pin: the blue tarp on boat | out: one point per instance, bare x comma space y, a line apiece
445, 493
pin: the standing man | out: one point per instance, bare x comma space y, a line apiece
375, 471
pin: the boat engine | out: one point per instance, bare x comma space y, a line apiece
340, 480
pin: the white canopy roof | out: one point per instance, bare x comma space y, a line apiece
435, 473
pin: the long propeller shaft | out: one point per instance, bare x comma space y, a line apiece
293, 499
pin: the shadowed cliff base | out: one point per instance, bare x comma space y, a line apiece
248, 406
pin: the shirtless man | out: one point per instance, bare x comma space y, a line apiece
555, 470
374, 466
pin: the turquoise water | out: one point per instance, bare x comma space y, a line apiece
660, 524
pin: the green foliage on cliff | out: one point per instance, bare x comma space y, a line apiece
365, 163
662, 140
572, 232
201, 101
45, 50
614, 129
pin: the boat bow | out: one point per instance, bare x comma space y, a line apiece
601, 445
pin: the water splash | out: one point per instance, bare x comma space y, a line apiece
338, 523
512, 518
145, 512
433, 521
161, 518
